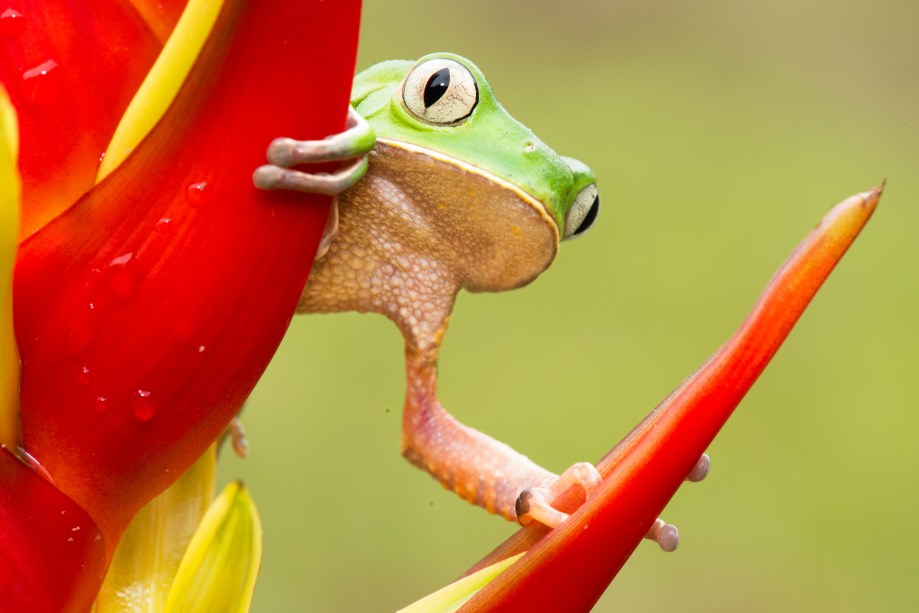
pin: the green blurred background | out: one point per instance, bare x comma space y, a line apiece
721, 132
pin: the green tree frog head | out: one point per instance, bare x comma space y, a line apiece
443, 103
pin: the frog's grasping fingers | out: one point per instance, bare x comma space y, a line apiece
283, 153
426, 222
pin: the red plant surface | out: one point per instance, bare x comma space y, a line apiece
147, 309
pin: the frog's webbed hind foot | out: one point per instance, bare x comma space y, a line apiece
535, 503
284, 153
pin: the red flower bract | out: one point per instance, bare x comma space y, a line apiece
147, 312
568, 568
70, 69
52, 554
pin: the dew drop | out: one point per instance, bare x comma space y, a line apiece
101, 404
123, 276
143, 405
164, 225
196, 194
83, 376
201, 348
40, 84
12, 23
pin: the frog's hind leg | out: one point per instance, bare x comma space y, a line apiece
491, 474
478, 468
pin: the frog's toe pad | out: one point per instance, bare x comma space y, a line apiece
700, 470
534, 504
665, 535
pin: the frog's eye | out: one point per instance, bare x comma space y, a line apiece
440, 91
583, 211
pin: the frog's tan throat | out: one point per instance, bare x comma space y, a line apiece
418, 228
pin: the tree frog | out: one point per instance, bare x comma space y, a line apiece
445, 191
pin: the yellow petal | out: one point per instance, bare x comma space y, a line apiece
219, 569
162, 83
145, 564
9, 232
452, 597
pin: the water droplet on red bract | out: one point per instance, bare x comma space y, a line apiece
40, 84
83, 376
143, 405
101, 404
12, 23
123, 276
196, 193
164, 225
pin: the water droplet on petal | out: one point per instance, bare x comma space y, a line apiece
83, 376
12, 23
196, 194
201, 348
101, 404
40, 84
143, 405
123, 276
81, 329
164, 225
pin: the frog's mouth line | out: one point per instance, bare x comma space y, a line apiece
538, 206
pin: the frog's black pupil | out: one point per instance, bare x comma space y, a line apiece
436, 87
590, 217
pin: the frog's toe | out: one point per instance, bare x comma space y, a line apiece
238, 438
665, 535
700, 470
356, 141
534, 504
271, 176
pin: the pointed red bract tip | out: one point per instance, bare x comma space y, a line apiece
569, 568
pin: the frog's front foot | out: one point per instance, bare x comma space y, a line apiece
285, 153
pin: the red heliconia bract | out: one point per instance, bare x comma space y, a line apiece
70, 68
568, 569
160, 15
147, 312
52, 556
